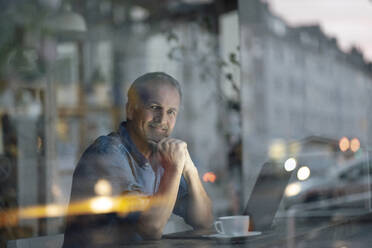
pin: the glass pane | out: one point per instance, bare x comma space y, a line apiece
275, 111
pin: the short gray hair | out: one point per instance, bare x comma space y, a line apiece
160, 77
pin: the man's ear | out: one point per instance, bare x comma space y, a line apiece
129, 109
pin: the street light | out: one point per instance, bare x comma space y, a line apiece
355, 145
344, 144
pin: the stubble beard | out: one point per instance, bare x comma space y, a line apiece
154, 139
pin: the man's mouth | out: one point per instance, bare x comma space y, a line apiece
158, 127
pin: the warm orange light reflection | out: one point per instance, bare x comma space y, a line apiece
209, 177
54, 210
102, 204
355, 145
344, 144
122, 205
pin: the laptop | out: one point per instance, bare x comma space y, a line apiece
262, 204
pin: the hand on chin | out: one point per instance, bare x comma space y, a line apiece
153, 141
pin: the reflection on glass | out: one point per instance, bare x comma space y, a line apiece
277, 149
209, 177
303, 173
101, 204
293, 189
354, 145
344, 144
103, 187
290, 164
54, 210
302, 101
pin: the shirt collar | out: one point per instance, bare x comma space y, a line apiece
137, 155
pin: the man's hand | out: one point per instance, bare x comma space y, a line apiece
172, 154
189, 165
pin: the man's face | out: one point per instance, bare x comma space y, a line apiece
154, 115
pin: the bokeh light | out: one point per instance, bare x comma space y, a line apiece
209, 177
292, 189
344, 144
355, 145
277, 150
290, 164
102, 204
54, 210
303, 173
103, 187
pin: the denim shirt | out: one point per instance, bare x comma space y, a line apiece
116, 159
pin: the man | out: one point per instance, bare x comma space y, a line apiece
140, 159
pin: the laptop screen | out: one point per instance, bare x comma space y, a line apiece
266, 195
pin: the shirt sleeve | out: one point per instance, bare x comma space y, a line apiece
106, 160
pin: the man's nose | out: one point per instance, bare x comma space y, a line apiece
160, 117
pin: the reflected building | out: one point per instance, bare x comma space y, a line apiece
299, 85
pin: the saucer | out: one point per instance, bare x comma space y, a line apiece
226, 236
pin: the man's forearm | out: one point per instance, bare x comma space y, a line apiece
199, 206
152, 221
171, 154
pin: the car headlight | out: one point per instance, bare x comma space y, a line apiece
292, 189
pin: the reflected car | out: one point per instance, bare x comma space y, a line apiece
302, 192
348, 186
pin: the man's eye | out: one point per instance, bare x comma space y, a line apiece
154, 107
171, 112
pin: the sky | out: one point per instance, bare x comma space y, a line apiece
350, 21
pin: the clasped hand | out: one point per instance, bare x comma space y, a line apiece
174, 155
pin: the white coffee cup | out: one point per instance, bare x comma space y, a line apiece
232, 225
